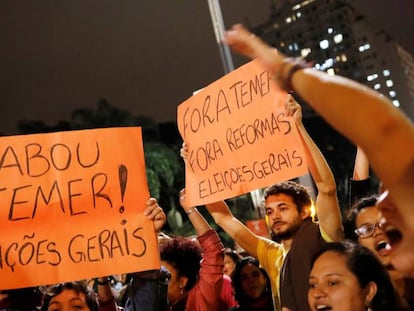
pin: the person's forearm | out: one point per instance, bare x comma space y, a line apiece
233, 227
317, 165
347, 106
327, 205
224, 218
199, 223
210, 276
361, 114
361, 167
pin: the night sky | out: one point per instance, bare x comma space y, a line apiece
144, 56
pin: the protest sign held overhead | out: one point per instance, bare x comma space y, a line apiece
71, 207
238, 136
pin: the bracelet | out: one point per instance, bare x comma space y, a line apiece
103, 282
285, 80
191, 210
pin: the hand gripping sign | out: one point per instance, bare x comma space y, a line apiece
71, 207
238, 136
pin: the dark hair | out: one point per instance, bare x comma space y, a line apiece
29, 298
239, 294
351, 216
367, 268
184, 255
297, 192
79, 287
232, 254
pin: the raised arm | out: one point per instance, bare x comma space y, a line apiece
105, 295
364, 116
327, 205
361, 166
225, 219
360, 183
233, 227
383, 132
155, 213
199, 223
210, 277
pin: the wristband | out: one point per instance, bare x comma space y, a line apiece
285, 79
191, 210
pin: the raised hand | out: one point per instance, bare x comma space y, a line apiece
184, 151
155, 213
240, 40
293, 109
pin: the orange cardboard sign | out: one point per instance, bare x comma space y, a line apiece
71, 207
238, 136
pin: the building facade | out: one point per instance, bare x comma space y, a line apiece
337, 39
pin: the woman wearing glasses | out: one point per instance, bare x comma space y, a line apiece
363, 226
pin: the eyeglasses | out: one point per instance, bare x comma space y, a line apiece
367, 230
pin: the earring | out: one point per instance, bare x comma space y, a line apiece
181, 290
367, 304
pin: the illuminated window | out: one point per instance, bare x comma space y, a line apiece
364, 47
324, 44
377, 86
396, 103
386, 73
305, 52
372, 77
331, 71
389, 83
341, 58
338, 38
329, 63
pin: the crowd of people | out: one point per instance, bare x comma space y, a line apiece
312, 262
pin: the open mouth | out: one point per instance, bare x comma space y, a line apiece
393, 234
323, 307
382, 245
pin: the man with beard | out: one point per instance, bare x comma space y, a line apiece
287, 260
